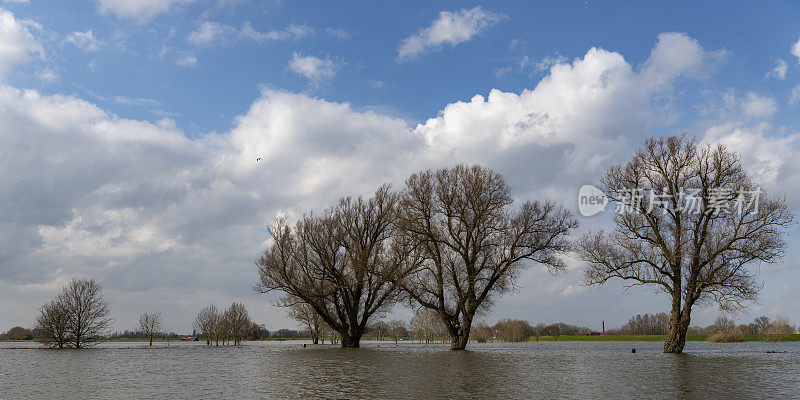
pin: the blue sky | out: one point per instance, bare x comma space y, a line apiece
130, 128
136, 58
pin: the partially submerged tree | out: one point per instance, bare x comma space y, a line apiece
86, 311
470, 242
150, 324
308, 318
51, 325
207, 322
427, 325
686, 226
237, 323
342, 263
396, 329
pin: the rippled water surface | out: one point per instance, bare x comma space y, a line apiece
280, 370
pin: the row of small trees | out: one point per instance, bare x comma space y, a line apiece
232, 325
453, 240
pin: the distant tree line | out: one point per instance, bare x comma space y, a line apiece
769, 329
647, 324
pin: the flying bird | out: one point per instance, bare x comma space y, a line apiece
258, 159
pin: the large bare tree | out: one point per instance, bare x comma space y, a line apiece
470, 241
86, 311
150, 324
690, 223
342, 263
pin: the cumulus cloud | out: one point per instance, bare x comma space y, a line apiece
83, 40
147, 210
779, 71
796, 49
17, 44
314, 69
768, 157
138, 10
450, 28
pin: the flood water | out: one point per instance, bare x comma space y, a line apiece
286, 370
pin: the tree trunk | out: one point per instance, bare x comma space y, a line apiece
350, 341
678, 326
458, 341
316, 341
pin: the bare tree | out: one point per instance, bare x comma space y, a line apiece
150, 324
481, 332
327, 332
51, 325
513, 330
86, 311
427, 325
682, 228
308, 318
723, 324
237, 321
779, 329
396, 329
469, 242
207, 322
19, 333
761, 324
342, 263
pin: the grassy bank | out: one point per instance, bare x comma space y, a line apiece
651, 338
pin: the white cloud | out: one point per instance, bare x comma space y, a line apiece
292, 32
138, 10
796, 49
185, 59
756, 106
47, 75
779, 71
451, 28
17, 44
128, 101
209, 32
795, 94
312, 68
770, 159
83, 40
146, 210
